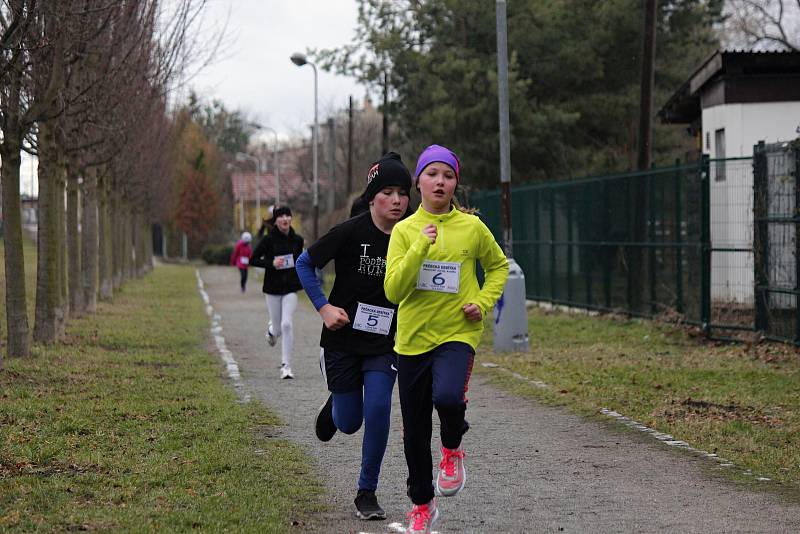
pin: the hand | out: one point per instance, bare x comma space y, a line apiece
430, 232
277, 263
472, 312
333, 317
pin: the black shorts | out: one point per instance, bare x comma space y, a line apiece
344, 372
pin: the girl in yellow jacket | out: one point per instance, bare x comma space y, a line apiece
430, 274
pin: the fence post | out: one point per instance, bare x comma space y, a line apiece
588, 255
630, 267
607, 249
678, 239
651, 240
537, 236
705, 246
796, 150
760, 238
553, 282
568, 270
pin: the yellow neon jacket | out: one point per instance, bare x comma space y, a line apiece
426, 319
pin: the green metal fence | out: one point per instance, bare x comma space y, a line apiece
629, 242
776, 245
675, 242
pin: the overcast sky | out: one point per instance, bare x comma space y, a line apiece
254, 73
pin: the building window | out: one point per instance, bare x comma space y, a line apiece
719, 154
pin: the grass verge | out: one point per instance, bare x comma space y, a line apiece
740, 401
128, 426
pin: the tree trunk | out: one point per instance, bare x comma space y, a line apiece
74, 282
105, 260
49, 324
118, 246
148, 247
16, 306
139, 235
17, 331
127, 243
47, 82
89, 241
63, 272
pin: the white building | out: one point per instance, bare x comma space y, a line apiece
731, 102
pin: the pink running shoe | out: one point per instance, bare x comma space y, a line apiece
422, 517
452, 474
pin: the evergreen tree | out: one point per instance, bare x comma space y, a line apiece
573, 78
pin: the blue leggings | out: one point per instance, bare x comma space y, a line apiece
373, 406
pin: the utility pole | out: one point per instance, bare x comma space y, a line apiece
510, 314
331, 165
638, 196
385, 141
647, 82
505, 144
350, 148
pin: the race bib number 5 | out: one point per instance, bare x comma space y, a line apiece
442, 276
374, 319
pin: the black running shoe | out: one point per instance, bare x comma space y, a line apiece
367, 506
323, 424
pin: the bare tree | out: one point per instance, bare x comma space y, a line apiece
84, 82
763, 24
22, 104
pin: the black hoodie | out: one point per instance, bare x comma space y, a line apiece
276, 243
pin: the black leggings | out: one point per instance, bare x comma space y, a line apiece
437, 378
243, 273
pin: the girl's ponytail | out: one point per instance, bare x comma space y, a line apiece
454, 203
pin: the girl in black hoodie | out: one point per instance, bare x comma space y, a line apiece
277, 253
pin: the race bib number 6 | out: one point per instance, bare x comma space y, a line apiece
442, 276
374, 319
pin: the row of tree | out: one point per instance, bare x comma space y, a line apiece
84, 87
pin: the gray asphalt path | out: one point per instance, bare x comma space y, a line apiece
530, 468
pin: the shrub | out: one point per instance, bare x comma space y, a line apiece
217, 254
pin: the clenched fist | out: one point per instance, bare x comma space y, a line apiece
334, 317
430, 232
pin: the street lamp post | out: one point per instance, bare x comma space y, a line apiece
511, 318
241, 156
300, 60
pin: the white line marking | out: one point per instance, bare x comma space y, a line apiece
538, 383
231, 367
627, 421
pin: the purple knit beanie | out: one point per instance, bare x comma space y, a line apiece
437, 153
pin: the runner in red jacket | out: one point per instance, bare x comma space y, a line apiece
241, 255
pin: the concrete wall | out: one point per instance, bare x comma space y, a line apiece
747, 124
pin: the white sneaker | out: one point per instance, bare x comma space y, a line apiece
286, 372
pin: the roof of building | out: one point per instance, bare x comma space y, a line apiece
292, 185
684, 106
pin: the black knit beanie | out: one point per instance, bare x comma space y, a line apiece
278, 211
387, 171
